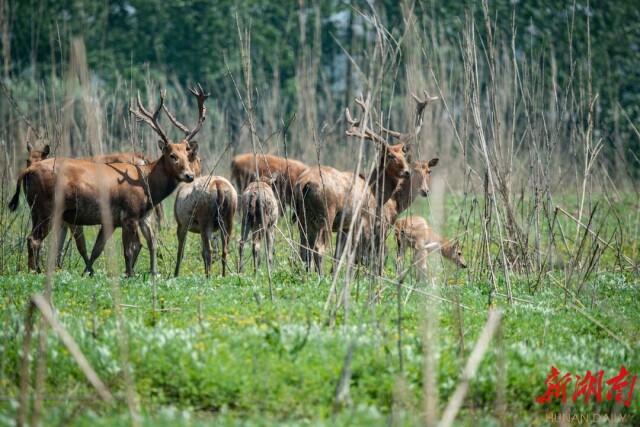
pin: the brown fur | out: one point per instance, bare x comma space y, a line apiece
414, 232
405, 193
244, 165
204, 206
260, 215
327, 199
129, 191
133, 158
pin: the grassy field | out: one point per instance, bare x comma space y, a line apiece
223, 351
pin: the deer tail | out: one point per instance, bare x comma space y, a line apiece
13, 203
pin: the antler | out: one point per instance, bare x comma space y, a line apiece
143, 115
365, 133
202, 109
420, 106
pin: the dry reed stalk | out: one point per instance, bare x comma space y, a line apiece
476, 356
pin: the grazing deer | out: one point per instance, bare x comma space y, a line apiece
244, 166
204, 206
129, 191
414, 232
260, 214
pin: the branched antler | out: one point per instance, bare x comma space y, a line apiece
202, 109
143, 115
420, 106
356, 127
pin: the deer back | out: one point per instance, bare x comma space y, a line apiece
130, 191
207, 199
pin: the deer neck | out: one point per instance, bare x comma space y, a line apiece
399, 201
382, 184
159, 183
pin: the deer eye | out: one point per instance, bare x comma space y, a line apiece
174, 158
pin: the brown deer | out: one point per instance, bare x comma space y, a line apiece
329, 194
260, 214
405, 193
130, 191
133, 158
330, 200
414, 232
244, 166
204, 206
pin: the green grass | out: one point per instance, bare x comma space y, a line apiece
221, 351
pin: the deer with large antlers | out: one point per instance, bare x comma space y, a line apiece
330, 200
112, 195
133, 158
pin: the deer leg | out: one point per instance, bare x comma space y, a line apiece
255, 250
34, 241
308, 237
270, 245
131, 244
225, 235
98, 247
61, 241
158, 214
182, 235
78, 235
150, 237
400, 256
206, 235
243, 239
318, 250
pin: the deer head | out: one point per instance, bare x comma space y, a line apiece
393, 157
36, 155
420, 175
176, 158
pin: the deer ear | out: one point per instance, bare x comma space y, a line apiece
193, 146
433, 162
46, 150
29, 147
162, 145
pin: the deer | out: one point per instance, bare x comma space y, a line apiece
133, 158
243, 166
414, 232
403, 196
204, 206
260, 214
128, 191
389, 191
330, 200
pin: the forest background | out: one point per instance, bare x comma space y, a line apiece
297, 64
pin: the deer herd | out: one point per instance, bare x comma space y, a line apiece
122, 190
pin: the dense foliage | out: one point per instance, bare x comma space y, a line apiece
594, 43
